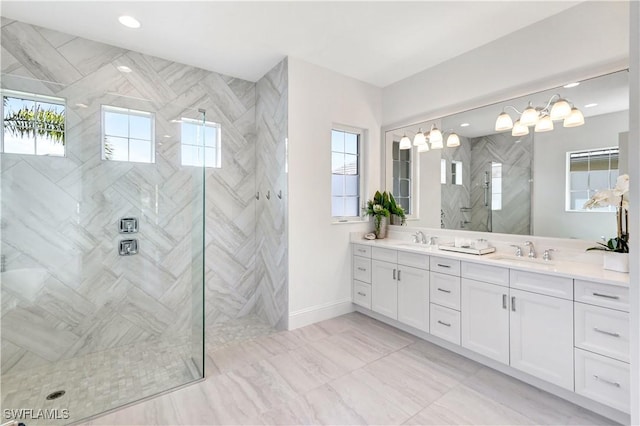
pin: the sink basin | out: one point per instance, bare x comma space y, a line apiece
524, 260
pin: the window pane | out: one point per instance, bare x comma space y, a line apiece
443, 171
396, 150
48, 146
337, 185
405, 203
189, 155
599, 179
351, 208
579, 180
18, 145
351, 143
337, 206
496, 202
350, 164
116, 149
116, 124
140, 151
578, 198
210, 136
189, 133
337, 163
139, 127
396, 187
352, 185
337, 141
405, 169
405, 154
210, 159
404, 188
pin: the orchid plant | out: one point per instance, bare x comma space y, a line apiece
617, 197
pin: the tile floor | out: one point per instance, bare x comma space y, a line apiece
349, 370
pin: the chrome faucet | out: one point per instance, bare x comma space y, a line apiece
518, 250
419, 237
532, 250
547, 254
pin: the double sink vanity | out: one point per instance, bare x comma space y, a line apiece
559, 325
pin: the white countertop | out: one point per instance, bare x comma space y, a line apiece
564, 268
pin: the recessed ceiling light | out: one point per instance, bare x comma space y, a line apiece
570, 85
167, 136
590, 105
129, 21
465, 125
82, 105
124, 68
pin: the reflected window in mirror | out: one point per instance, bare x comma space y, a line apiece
346, 172
402, 176
590, 171
456, 172
443, 171
496, 186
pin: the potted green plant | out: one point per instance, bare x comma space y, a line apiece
376, 208
616, 256
398, 216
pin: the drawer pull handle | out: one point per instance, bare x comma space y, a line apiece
608, 333
362, 269
444, 323
443, 290
399, 274
361, 294
394, 274
444, 266
362, 251
609, 382
504, 301
513, 303
606, 296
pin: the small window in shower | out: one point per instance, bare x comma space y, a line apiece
200, 143
456, 172
443, 171
496, 186
127, 135
588, 172
33, 124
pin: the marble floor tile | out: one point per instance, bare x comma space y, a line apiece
443, 360
158, 411
238, 355
464, 406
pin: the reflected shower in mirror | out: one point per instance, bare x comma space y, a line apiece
521, 179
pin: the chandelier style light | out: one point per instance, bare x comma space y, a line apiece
430, 140
540, 118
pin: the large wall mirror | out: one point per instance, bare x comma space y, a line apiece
519, 179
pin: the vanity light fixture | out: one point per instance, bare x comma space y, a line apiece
423, 148
405, 142
542, 118
419, 138
435, 137
453, 140
129, 21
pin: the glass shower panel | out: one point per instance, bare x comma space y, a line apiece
102, 261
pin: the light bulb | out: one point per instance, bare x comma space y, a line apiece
504, 122
574, 119
435, 137
453, 140
405, 143
529, 116
519, 129
419, 139
545, 124
560, 110
423, 148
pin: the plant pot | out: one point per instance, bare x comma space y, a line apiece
616, 261
396, 220
380, 223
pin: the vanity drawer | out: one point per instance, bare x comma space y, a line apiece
444, 265
362, 294
417, 260
542, 283
602, 330
362, 250
485, 273
387, 255
362, 269
445, 290
609, 296
445, 323
603, 379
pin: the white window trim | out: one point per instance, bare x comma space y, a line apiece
362, 153
36, 98
217, 147
567, 187
128, 111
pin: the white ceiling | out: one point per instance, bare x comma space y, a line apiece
376, 42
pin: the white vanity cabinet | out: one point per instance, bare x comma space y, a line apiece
361, 274
400, 287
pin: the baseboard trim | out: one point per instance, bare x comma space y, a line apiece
317, 313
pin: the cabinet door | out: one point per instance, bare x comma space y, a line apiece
413, 297
485, 319
542, 337
384, 288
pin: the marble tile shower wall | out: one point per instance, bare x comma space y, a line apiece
271, 235
456, 199
515, 156
59, 215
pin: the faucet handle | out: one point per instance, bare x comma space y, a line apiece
518, 250
547, 254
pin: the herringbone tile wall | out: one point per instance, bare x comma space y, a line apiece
59, 215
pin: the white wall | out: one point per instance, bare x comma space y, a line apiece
549, 177
319, 256
583, 41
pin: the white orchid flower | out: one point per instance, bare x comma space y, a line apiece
606, 197
622, 185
